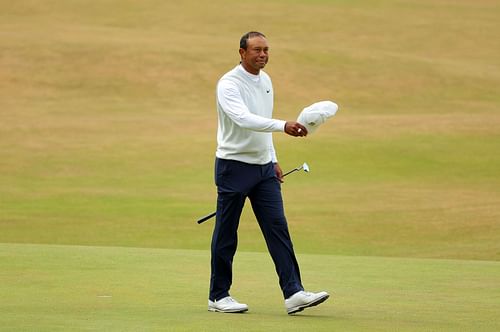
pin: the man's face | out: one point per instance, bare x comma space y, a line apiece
255, 57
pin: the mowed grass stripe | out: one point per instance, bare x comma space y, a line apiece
60, 288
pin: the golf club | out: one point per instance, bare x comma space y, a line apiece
304, 167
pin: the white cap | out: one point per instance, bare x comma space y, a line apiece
316, 114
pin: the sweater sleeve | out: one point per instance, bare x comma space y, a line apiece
232, 104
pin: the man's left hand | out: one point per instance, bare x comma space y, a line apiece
279, 172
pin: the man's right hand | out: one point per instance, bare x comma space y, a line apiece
295, 129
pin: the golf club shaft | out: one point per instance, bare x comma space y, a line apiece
205, 218
211, 215
293, 170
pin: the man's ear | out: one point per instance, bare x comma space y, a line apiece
242, 53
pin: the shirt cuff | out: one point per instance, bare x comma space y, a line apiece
280, 124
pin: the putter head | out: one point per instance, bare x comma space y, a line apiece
305, 167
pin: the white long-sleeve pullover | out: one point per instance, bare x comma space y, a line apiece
245, 123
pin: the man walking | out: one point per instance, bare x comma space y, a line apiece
246, 166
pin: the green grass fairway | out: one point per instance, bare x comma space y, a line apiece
62, 288
107, 142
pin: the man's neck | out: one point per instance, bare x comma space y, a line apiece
250, 70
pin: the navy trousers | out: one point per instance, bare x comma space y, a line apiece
235, 182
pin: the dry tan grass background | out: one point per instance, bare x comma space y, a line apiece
107, 122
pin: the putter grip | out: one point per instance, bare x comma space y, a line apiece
205, 218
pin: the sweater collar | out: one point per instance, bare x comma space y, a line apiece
254, 78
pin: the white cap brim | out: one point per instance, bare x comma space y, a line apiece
316, 114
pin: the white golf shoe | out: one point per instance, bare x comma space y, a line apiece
227, 304
301, 300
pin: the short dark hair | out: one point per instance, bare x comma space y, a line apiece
247, 36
